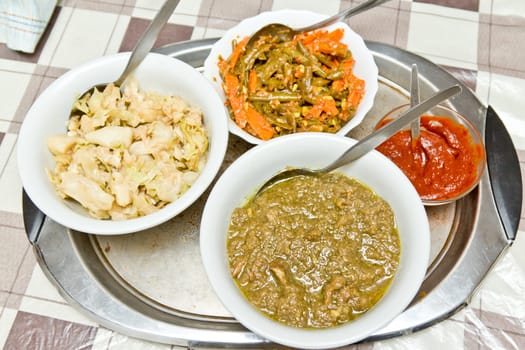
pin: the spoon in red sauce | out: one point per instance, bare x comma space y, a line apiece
447, 160
414, 100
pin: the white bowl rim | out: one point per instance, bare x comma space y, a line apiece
63, 215
407, 281
296, 17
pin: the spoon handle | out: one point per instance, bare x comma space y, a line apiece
381, 135
365, 5
148, 38
414, 100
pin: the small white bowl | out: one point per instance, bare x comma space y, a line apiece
314, 150
365, 67
49, 114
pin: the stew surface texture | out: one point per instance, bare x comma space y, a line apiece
314, 252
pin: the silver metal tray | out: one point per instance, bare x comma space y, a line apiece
152, 285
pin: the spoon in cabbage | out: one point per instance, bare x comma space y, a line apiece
368, 143
144, 45
286, 33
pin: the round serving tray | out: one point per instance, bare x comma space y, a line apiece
152, 285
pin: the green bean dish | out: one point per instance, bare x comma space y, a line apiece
280, 87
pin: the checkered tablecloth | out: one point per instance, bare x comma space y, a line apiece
481, 42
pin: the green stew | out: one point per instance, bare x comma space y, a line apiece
314, 252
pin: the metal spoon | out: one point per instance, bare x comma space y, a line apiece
286, 33
144, 45
369, 142
414, 100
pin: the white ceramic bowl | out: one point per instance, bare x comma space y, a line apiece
314, 150
365, 67
50, 112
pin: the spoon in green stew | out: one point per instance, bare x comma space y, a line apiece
286, 33
370, 142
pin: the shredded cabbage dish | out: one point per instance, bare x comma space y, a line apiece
281, 87
128, 154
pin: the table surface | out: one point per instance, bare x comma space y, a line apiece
481, 42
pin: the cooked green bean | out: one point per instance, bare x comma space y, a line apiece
280, 96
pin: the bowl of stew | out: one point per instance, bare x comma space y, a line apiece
322, 81
314, 262
447, 160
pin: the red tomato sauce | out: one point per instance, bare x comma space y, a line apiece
443, 161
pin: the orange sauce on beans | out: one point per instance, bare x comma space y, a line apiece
443, 161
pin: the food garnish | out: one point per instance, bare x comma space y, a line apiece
283, 87
128, 155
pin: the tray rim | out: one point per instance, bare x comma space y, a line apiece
35, 222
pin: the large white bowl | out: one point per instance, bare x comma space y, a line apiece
365, 67
314, 150
50, 112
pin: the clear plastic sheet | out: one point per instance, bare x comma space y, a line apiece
494, 317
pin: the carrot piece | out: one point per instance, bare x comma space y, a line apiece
348, 65
259, 124
326, 42
309, 37
356, 87
338, 85
233, 94
253, 80
329, 106
314, 112
357, 90
324, 106
337, 34
237, 51
334, 48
